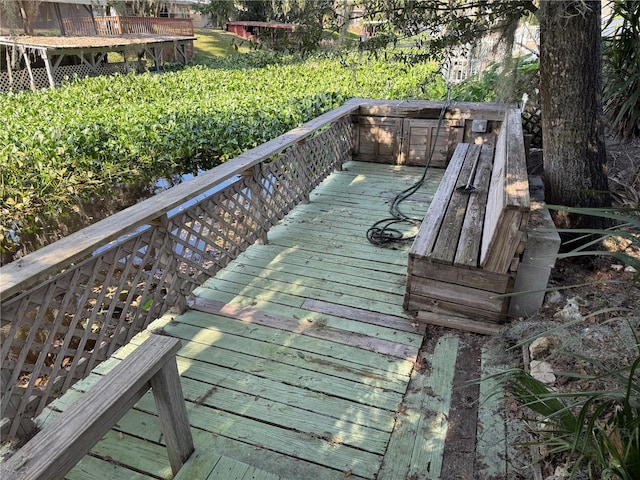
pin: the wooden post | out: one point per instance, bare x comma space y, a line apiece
169, 398
9, 71
160, 221
54, 451
56, 7
153, 53
183, 52
252, 177
47, 64
57, 63
27, 62
93, 19
81, 57
126, 60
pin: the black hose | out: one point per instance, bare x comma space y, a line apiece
381, 233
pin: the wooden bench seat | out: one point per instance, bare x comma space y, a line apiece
466, 253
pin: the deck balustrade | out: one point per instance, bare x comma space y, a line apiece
70, 305
127, 25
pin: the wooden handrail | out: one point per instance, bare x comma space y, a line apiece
52, 258
98, 294
54, 451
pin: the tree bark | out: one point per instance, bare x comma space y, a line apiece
571, 97
29, 11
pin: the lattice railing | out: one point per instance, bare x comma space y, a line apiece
102, 294
21, 80
127, 25
532, 125
157, 26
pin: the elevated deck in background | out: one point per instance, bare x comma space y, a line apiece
48, 61
91, 43
298, 361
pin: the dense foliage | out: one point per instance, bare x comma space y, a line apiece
622, 68
62, 147
438, 25
594, 425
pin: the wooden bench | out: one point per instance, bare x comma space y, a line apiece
467, 250
54, 451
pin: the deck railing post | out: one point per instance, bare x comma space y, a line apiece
252, 177
55, 450
169, 399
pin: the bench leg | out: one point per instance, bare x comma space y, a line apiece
172, 411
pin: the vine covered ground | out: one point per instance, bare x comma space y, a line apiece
61, 149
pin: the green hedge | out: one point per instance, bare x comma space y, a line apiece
62, 147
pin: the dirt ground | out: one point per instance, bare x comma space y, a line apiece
597, 300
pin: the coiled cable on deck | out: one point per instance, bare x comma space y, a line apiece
383, 231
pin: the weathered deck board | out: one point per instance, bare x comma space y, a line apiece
460, 444
357, 267
304, 327
278, 307
342, 321
298, 360
332, 359
267, 298
336, 206
271, 389
289, 373
400, 324
345, 274
233, 470
288, 416
492, 436
299, 285
91, 468
417, 444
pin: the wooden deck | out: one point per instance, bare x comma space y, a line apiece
298, 361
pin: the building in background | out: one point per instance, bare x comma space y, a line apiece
45, 17
476, 59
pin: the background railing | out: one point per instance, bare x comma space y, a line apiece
127, 25
68, 306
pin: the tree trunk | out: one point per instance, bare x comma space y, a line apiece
29, 11
572, 120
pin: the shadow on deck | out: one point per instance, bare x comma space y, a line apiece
299, 362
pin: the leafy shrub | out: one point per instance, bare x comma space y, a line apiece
599, 429
62, 147
502, 83
622, 68
475, 89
